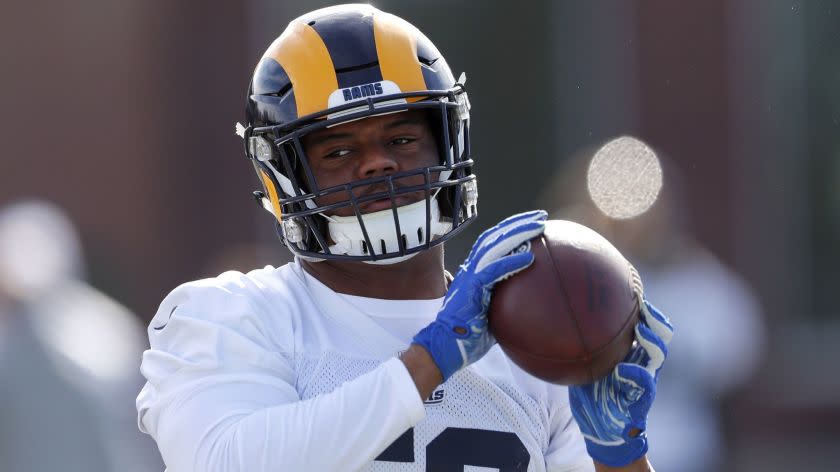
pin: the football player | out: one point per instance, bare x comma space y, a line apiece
364, 354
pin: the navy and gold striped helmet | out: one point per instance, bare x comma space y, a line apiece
341, 64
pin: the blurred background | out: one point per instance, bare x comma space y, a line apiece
121, 177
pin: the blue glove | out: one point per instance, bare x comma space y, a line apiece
611, 411
459, 335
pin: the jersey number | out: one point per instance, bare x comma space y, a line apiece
454, 448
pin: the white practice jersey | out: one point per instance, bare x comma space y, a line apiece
273, 371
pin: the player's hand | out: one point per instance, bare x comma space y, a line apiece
460, 335
612, 412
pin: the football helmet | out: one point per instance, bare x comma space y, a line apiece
345, 63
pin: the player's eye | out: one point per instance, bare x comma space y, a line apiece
402, 140
337, 153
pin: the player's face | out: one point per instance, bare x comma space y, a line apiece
372, 147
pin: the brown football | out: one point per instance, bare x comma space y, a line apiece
569, 318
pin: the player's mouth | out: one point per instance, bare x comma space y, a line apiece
385, 203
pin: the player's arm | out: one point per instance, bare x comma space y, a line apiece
612, 412
221, 392
422, 369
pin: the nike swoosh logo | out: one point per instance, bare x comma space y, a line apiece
158, 328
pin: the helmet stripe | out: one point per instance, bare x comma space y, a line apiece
272, 193
304, 56
397, 51
348, 36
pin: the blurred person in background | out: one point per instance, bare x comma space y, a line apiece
721, 331
68, 355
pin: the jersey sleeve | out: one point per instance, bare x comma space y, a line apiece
566, 448
220, 392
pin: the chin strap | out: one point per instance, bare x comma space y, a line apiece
346, 231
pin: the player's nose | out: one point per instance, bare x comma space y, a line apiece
376, 161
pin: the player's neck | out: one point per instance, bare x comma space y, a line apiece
419, 278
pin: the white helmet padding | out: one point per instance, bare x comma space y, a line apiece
349, 239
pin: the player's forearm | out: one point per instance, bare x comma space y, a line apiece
219, 430
640, 465
422, 369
